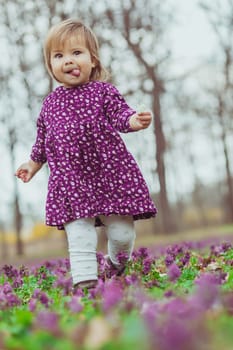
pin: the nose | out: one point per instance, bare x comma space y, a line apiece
68, 60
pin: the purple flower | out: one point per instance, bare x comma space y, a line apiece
173, 272
101, 265
122, 258
150, 314
207, 279
180, 308
74, 304
184, 260
216, 250
63, 283
228, 303
175, 334
50, 265
131, 279
169, 259
8, 298
143, 252
147, 265
12, 300
98, 290
112, 295
23, 271
175, 249
7, 288
36, 293
226, 246
100, 258
32, 304
168, 294
207, 290
10, 271
150, 310
220, 249
178, 325
18, 282
48, 321
152, 283
110, 269
42, 297
57, 264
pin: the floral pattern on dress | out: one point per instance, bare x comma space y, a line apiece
91, 171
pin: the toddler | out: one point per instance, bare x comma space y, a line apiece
93, 180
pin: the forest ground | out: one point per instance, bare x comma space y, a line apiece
54, 245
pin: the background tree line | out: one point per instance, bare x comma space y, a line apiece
135, 41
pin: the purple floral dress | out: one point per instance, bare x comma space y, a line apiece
91, 171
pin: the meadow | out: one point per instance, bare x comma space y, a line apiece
171, 296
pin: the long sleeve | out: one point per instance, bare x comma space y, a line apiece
38, 149
116, 109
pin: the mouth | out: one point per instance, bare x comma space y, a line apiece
74, 72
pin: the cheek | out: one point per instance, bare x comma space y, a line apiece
56, 68
55, 65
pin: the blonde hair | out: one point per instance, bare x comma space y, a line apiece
59, 33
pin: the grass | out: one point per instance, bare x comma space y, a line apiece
186, 235
179, 298
40, 249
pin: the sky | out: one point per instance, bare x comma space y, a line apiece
193, 43
193, 37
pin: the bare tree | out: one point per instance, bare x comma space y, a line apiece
220, 16
144, 36
19, 96
6, 117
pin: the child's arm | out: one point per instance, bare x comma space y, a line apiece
140, 120
27, 170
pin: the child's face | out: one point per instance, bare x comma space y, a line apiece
71, 63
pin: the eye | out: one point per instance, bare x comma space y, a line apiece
77, 52
57, 55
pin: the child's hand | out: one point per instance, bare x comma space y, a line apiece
27, 170
24, 172
140, 120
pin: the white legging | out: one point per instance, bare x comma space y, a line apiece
82, 243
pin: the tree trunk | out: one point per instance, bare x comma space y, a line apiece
226, 156
4, 248
228, 175
18, 226
165, 211
17, 213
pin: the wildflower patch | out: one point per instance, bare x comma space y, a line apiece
174, 297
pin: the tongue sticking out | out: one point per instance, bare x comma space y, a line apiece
75, 72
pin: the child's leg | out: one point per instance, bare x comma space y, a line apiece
121, 236
82, 245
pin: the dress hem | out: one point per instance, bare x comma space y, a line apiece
98, 222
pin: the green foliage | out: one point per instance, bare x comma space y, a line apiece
39, 314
